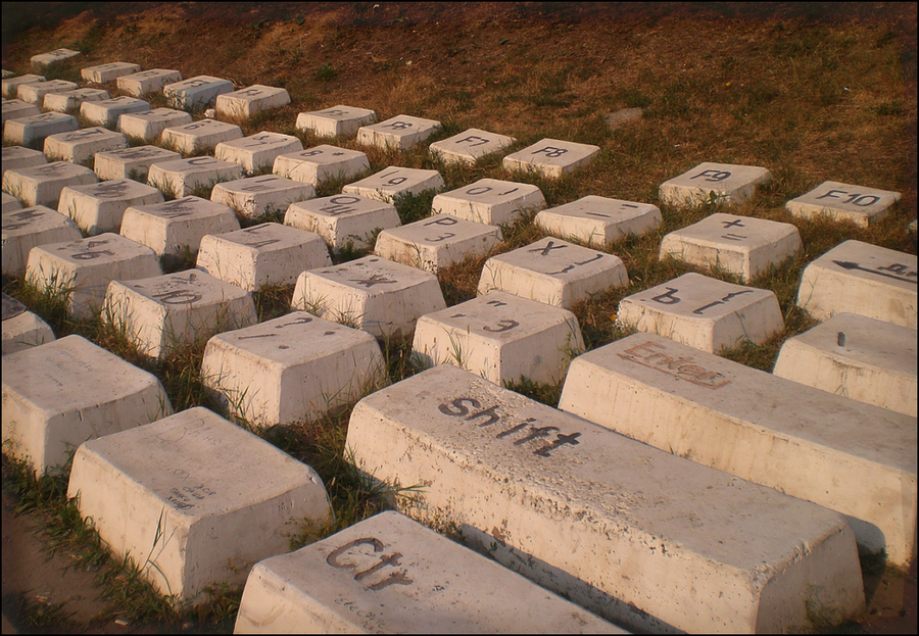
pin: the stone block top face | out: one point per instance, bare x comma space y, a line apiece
149, 81
342, 206
389, 183
159, 118
559, 259
741, 233
57, 171
267, 237
373, 276
196, 91
843, 201
871, 263
10, 203
249, 101
325, 155
196, 165
723, 181
94, 135
254, 92
265, 184
183, 209
35, 126
15, 108
442, 229
337, 121
57, 55
603, 211
22, 157
204, 128
97, 251
490, 201
259, 142
35, 219
185, 289
10, 85
120, 190
696, 296
469, 146
401, 131
34, 92
12, 307
551, 157
71, 100
106, 111
102, 73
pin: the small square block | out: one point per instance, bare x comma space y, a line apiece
261, 255
370, 293
85, 267
437, 242
42, 184
11, 203
552, 158
177, 226
338, 121
28, 227
21, 328
291, 369
400, 132
469, 146
490, 201
257, 152
196, 92
99, 207
169, 487
860, 278
554, 272
31, 131
256, 196
104, 73
58, 395
17, 157
245, 103
199, 136
741, 245
705, 313
69, 101
81, 145
34, 92
11, 85
321, 163
149, 81
52, 57
599, 221
501, 337
149, 125
844, 202
16, 108
181, 176
131, 163
107, 111
343, 220
394, 181
170, 311
714, 182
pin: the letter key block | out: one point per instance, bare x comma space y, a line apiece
343, 220
131, 163
181, 177
150, 81
70, 101
393, 182
321, 163
199, 136
42, 184
80, 146
31, 131
338, 121
176, 227
99, 207
106, 112
149, 125
400, 132
437, 242
257, 152
244, 103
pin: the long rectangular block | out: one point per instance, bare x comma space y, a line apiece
551, 158
149, 125
321, 163
599, 221
199, 136
150, 81
31, 131
844, 202
469, 146
80, 146
246, 102
196, 92
10, 85
490, 201
15, 157
851, 457
34, 92
99, 207
714, 183
257, 196
437, 242
400, 132
131, 163
21, 328
25, 228
52, 57
343, 220
42, 184
109, 72
69, 101
177, 226
338, 121
106, 112
616, 526
181, 177
393, 182
15, 108
257, 152
399, 577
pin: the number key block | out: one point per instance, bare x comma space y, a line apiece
321, 163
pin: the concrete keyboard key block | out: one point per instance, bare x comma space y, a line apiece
149, 81
741, 245
16, 157
16, 108
321, 163
400, 132
82, 269
58, 395
31, 131
393, 182
199, 136
552, 158
164, 313
500, 337
857, 357
131, 163
257, 196
848, 456
599, 221
262, 255
21, 328
176, 227
705, 313
245, 103
714, 182
52, 57
343, 220
149, 125
864, 279
490, 201
10, 86
69, 101
80, 146
554, 272
196, 92
370, 293
34, 92
257, 152
291, 369
469, 146
844, 202
6, 73
99, 207
26, 228
182, 176
11, 203
42, 184
338, 121
437, 242
400, 578
107, 111
188, 517
105, 73
616, 526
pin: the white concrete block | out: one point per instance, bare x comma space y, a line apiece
53, 57
34, 92
370, 293
196, 92
554, 272
851, 457
149, 125
551, 158
469, 146
82, 269
713, 183
321, 163
741, 245
99, 207
344, 221
599, 221
338, 121
400, 578
165, 313
400, 132
107, 111
69, 101
177, 227
291, 369
42, 184
702, 312
25, 228
7, 73
864, 279
11, 85
16, 108
166, 496
16, 157
437, 242
181, 177
21, 328
131, 163
261, 255
856, 357
199, 136
80, 146
245, 103
11, 203
616, 526
844, 202
257, 196
105, 73
58, 395
257, 152
490, 201
149, 81
393, 182
31, 131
